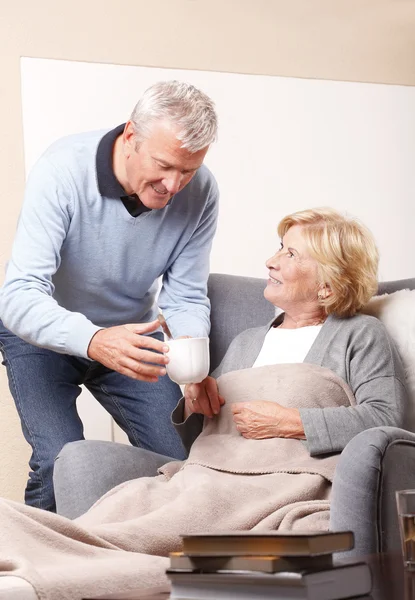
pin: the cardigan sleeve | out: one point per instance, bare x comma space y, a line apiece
375, 374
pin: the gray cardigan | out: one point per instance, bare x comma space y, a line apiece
359, 350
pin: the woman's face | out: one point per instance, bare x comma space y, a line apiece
293, 278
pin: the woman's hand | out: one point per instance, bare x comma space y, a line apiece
203, 398
263, 419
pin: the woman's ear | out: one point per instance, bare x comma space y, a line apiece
324, 291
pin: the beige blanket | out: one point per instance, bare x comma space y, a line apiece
227, 483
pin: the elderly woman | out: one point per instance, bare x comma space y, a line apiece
264, 440
324, 272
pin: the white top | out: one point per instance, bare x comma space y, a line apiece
282, 346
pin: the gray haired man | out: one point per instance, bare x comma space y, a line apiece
105, 215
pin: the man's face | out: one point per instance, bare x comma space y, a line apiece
158, 167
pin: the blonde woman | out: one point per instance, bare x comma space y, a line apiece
324, 272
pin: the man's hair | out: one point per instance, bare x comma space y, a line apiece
182, 105
346, 254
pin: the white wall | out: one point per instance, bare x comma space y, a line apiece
284, 144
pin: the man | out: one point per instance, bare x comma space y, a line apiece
105, 215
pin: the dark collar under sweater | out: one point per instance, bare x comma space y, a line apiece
108, 184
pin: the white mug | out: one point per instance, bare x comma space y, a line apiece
189, 360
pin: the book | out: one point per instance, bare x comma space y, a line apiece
254, 543
266, 564
340, 581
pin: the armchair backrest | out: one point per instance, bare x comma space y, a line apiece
238, 303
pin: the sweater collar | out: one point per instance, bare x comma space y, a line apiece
108, 184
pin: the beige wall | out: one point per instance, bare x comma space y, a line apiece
353, 40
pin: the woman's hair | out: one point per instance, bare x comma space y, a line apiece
181, 104
346, 254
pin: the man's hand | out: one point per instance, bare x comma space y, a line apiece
124, 349
203, 398
263, 419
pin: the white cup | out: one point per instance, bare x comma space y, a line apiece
189, 360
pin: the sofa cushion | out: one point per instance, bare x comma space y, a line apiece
397, 313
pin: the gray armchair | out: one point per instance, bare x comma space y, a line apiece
373, 465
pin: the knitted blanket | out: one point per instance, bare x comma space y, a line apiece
227, 483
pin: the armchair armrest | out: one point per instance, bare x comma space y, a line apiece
86, 470
374, 464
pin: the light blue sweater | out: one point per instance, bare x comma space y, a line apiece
81, 262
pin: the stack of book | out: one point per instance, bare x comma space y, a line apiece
258, 566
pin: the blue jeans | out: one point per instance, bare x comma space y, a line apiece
45, 386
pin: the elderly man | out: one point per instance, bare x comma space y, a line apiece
105, 215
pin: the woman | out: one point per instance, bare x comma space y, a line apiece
321, 372
324, 272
